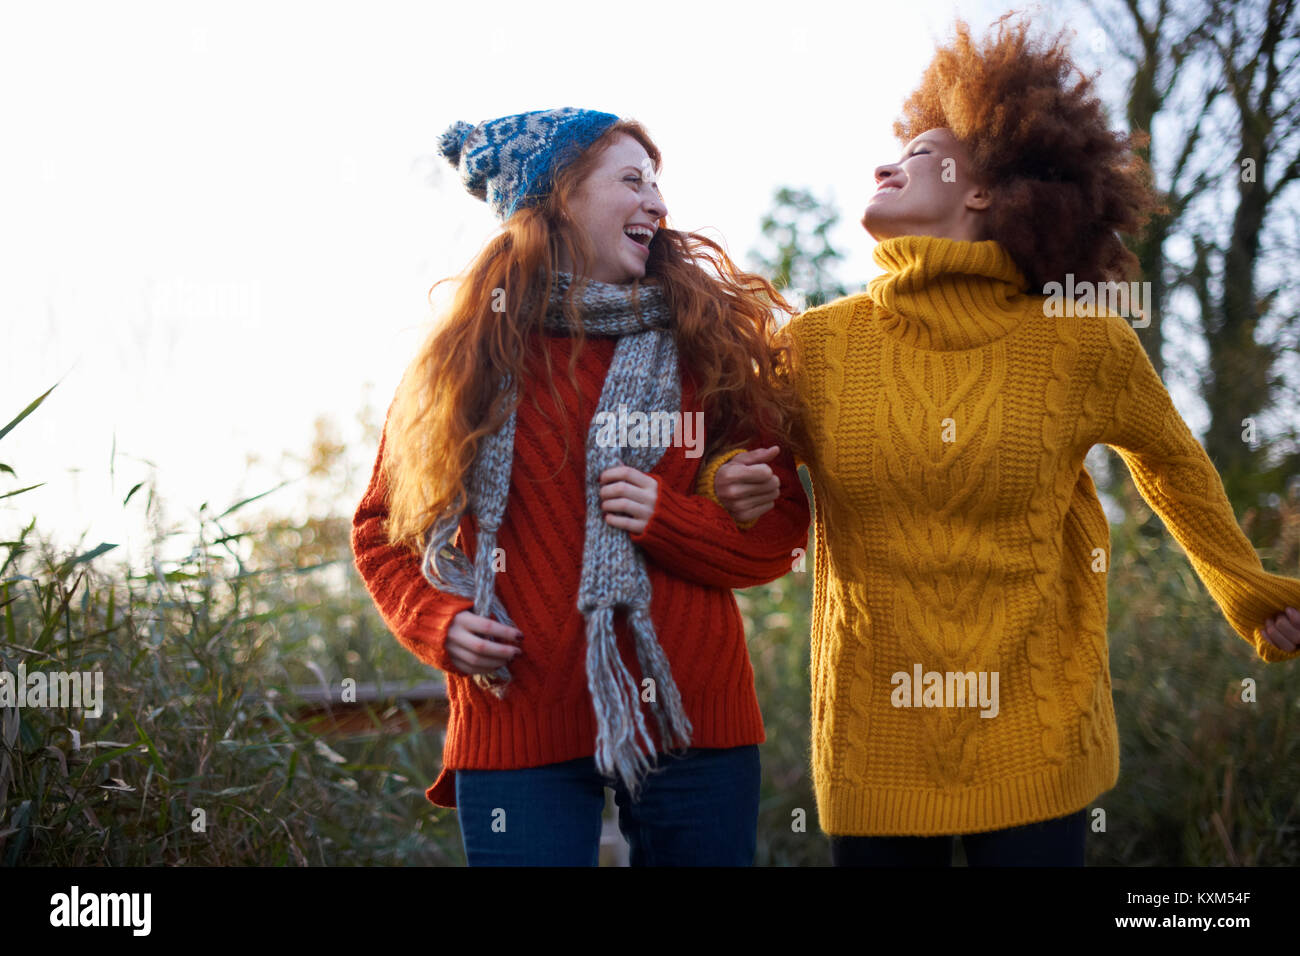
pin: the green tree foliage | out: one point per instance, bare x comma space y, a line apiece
797, 254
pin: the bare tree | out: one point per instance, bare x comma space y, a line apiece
1161, 46
1216, 84
1257, 47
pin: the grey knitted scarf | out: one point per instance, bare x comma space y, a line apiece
643, 376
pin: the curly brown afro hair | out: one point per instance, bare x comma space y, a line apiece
1064, 184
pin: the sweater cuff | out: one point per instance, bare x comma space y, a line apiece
425, 632
669, 517
1277, 593
704, 483
697, 540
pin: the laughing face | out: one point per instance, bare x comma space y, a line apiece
618, 207
931, 191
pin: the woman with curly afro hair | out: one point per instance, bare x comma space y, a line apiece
960, 676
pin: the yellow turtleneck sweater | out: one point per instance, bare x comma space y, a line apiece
958, 533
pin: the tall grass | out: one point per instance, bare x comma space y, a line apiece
195, 758
1206, 778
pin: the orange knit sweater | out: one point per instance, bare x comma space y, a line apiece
694, 556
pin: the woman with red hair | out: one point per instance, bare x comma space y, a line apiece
960, 675
538, 537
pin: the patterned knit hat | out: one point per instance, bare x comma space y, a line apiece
509, 162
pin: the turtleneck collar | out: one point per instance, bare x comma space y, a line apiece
946, 295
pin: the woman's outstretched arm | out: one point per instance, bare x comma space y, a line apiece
1177, 478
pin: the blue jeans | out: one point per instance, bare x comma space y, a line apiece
1056, 842
700, 808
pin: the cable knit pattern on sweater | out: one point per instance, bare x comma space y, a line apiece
958, 532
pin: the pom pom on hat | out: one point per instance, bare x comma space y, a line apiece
451, 141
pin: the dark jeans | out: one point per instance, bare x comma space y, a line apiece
1056, 842
700, 808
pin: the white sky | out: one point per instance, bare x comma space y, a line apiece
217, 224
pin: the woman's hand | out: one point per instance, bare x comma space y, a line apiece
473, 643
627, 497
746, 486
1282, 630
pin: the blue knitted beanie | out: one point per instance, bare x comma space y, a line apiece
510, 161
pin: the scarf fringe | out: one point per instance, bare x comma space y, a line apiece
675, 727
619, 750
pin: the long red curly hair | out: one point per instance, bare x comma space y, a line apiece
1064, 184
450, 397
